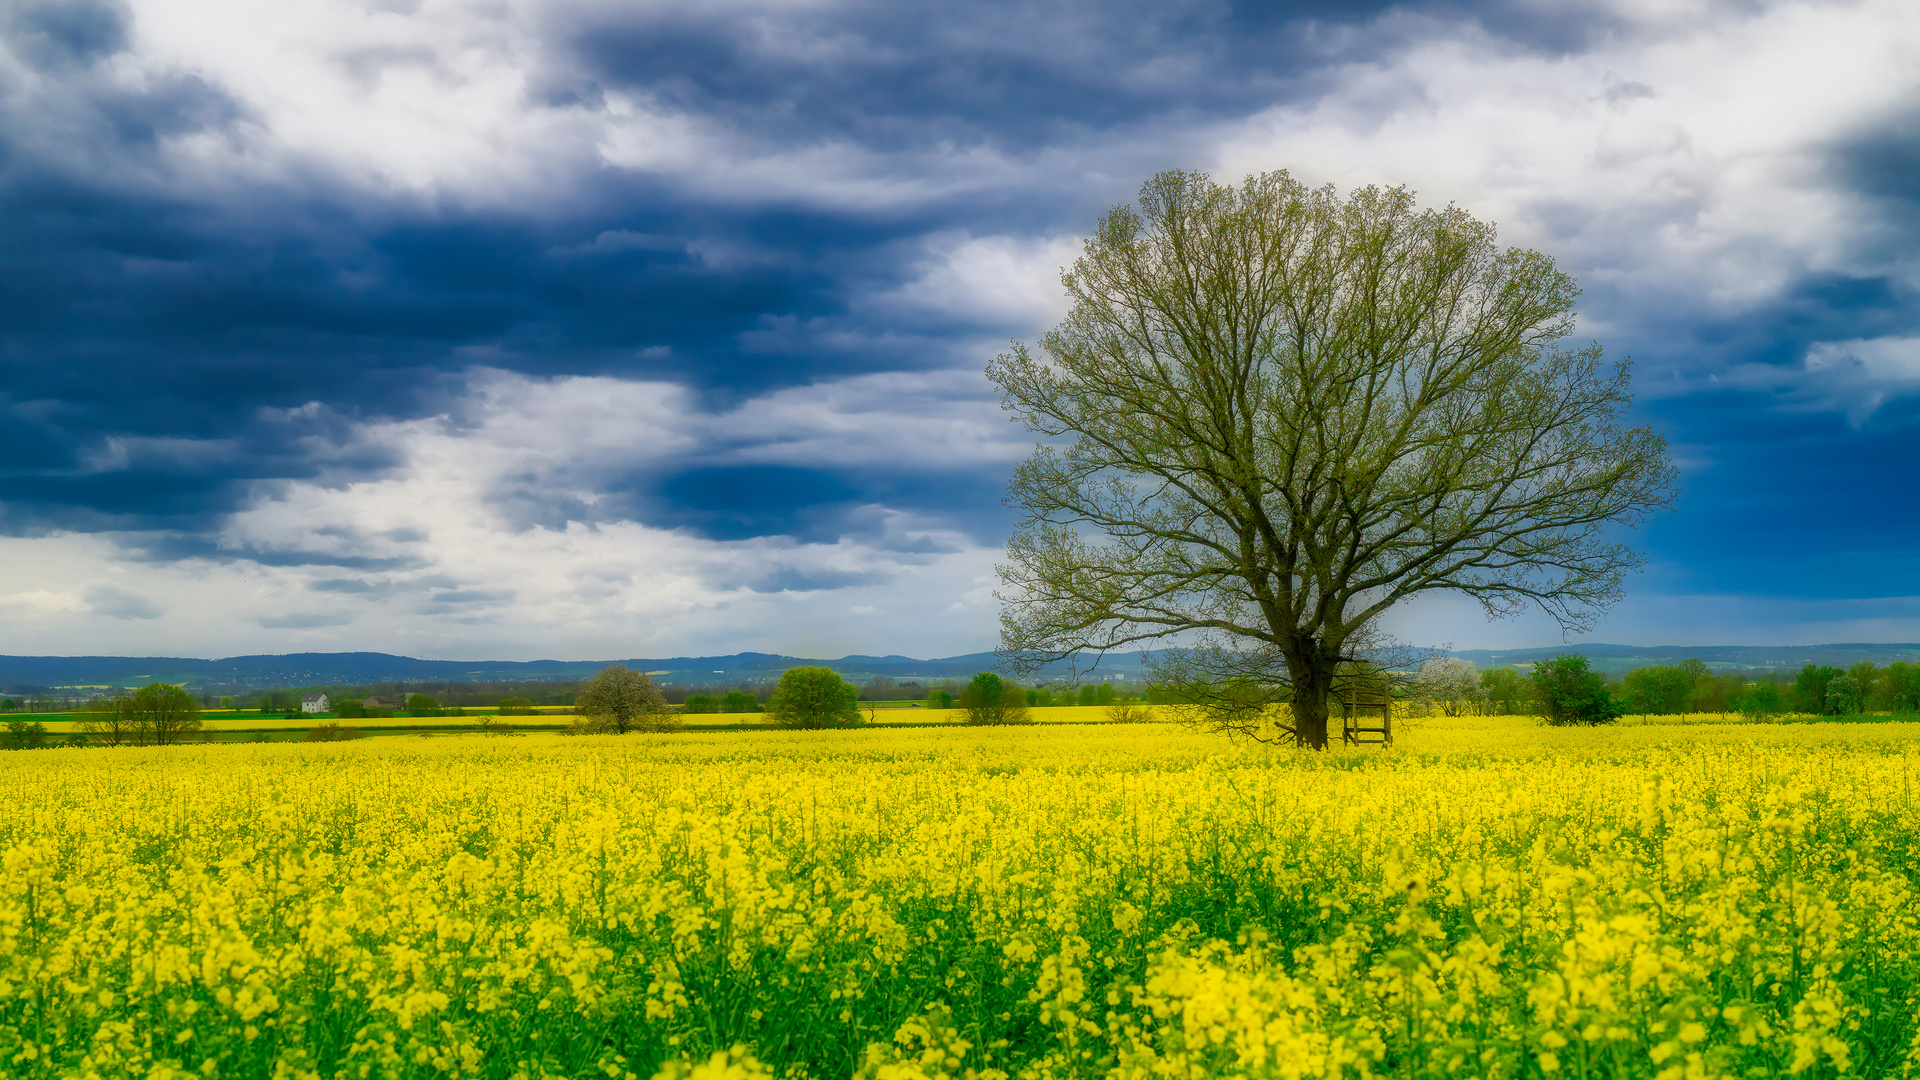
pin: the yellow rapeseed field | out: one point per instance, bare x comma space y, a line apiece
1488, 899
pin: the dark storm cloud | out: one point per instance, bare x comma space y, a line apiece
162, 333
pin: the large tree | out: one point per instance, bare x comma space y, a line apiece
1273, 413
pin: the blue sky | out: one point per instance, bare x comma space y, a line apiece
583, 329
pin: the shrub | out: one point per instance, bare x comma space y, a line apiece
814, 697
989, 700
349, 709
1128, 712
24, 735
1761, 701
699, 703
739, 701
422, 705
331, 732
939, 699
1570, 693
516, 706
620, 700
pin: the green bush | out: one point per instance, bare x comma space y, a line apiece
990, 700
516, 706
1569, 692
24, 735
814, 697
739, 701
699, 703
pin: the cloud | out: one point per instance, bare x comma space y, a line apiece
646, 322
117, 603
308, 621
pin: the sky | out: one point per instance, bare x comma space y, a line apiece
492, 329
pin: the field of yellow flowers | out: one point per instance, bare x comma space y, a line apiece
1489, 899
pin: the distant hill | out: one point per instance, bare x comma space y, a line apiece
19, 673
366, 668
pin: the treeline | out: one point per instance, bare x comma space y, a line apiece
1453, 686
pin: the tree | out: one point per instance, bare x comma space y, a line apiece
1809, 692
422, 705
1761, 701
1843, 695
1568, 692
739, 701
620, 700
513, 706
991, 700
1288, 412
940, 699
1449, 682
1505, 691
24, 735
698, 703
814, 697
1658, 689
158, 712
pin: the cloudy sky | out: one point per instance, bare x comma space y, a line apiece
582, 328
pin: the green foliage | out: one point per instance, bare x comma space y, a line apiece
350, 709
227, 703
1809, 693
1760, 701
516, 706
422, 705
1843, 695
1086, 695
814, 697
331, 732
1272, 412
1658, 690
158, 713
1507, 692
990, 700
940, 699
24, 735
620, 700
1567, 691
699, 703
739, 701
1898, 688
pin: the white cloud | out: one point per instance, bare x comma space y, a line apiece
429, 559
1680, 166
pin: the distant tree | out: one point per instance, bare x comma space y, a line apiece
698, 703
1448, 683
158, 713
9, 705
1843, 695
739, 701
620, 700
814, 697
422, 705
24, 735
1567, 691
227, 703
1505, 691
349, 709
1657, 689
1085, 696
515, 706
110, 719
1760, 701
989, 699
1809, 693
1868, 677
940, 699
1899, 687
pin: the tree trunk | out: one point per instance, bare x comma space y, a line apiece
1312, 682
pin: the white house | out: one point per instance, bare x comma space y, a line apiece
315, 702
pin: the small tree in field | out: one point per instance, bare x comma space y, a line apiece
989, 700
1568, 692
1448, 683
620, 700
814, 697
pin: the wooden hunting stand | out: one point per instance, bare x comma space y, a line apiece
1366, 715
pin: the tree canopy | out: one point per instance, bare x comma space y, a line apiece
620, 700
814, 697
1272, 413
